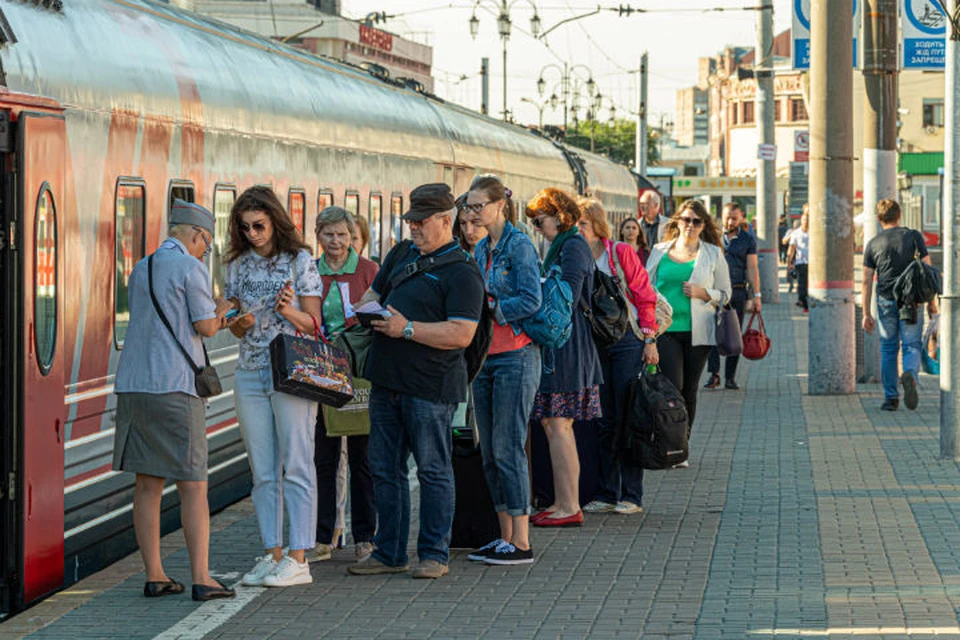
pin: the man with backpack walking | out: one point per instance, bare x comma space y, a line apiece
887, 256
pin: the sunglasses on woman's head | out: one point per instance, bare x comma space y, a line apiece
696, 222
259, 227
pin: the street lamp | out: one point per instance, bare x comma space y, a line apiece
567, 74
504, 27
540, 107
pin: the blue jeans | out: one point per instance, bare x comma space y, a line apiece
621, 363
401, 424
278, 432
503, 396
893, 332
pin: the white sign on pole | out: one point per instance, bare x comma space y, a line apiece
766, 152
924, 27
801, 33
801, 145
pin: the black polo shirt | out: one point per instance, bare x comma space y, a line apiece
736, 250
451, 292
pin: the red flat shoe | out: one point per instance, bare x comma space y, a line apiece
575, 520
539, 516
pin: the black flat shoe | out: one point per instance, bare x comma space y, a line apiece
157, 589
202, 592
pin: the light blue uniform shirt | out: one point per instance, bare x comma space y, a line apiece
150, 361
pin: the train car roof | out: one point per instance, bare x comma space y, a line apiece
151, 58
608, 180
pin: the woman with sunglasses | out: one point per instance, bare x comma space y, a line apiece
689, 269
504, 389
570, 382
271, 277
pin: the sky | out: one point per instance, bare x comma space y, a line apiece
674, 33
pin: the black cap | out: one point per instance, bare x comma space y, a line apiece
428, 199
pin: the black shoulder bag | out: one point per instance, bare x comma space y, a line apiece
206, 381
476, 353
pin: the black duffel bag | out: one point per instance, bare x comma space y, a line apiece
653, 432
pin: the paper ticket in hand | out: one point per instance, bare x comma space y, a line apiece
371, 311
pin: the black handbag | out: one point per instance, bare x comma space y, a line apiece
206, 381
729, 336
608, 315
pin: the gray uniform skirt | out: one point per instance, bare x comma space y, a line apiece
161, 435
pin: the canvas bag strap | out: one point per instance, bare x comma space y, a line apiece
622, 282
166, 323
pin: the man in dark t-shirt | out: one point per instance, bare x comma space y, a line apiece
419, 375
887, 256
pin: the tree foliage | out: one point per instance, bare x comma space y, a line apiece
615, 140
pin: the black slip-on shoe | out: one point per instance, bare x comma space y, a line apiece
203, 592
157, 589
732, 385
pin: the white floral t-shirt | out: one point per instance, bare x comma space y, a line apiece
256, 281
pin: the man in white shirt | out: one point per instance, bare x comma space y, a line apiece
798, 255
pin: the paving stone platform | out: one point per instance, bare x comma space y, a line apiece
798, 517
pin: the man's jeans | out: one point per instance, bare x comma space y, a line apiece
503, 396
621, 363
278, 432
893, 332
401, 424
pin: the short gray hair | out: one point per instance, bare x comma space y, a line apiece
180, 230
654, 197
334, 215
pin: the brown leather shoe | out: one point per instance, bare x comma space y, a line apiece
713, 382
370, 566
430, 569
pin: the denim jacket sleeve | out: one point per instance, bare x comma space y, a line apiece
525, 299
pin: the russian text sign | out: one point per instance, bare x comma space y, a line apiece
924, 27
801, 33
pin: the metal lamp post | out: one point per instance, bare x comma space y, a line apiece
567, 74
504, 27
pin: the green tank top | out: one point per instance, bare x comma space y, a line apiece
670, 278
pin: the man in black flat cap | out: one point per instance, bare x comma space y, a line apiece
434, 293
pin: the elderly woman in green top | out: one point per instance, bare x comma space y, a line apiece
346, 276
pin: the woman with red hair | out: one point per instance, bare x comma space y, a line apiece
570, 383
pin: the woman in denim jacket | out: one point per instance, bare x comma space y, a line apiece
504, 390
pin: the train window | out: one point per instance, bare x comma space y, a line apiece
129, 249
352, 203
180, 190
324, 200
396, 222
45, 279
296, 205
223, 198
376, 206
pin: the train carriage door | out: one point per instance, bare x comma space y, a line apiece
41, 164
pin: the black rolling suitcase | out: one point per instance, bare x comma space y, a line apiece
653, 433
474, 520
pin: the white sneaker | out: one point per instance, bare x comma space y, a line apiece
254, 577
287, 573
682, 465
598, 506
626, 508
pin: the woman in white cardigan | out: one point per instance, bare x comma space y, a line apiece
689, 269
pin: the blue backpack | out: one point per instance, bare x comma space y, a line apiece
552, 324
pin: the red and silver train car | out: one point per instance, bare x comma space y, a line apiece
108, 110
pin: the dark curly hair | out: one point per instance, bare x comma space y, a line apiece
555, 203
709, 234
286, 238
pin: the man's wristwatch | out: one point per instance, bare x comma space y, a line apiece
408, 331
757, 295
649, 341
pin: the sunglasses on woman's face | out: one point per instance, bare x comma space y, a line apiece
259, 227
694, 221
538, 221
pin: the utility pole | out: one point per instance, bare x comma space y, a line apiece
484, 86
880, 69
767, 239
949, 309
640, 150
832, 351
